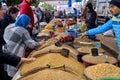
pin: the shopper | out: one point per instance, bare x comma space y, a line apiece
26, 9
113, 23
47, 15
8, 18
40, 14
6, 58
75, 14
17, 39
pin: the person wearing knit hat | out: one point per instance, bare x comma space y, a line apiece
115, 7
113, 23
116, 3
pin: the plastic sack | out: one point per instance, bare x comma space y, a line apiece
83, 27
109, 33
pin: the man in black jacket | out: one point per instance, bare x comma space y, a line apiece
11, 60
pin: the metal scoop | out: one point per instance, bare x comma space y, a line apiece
64, 52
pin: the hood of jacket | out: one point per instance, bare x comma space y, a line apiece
25, 1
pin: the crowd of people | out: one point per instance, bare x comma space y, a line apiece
16, 31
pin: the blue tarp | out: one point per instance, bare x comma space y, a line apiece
78, 0
69, 3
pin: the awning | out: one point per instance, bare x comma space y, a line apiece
78, 0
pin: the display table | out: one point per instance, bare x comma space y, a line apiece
56, 59
109, 44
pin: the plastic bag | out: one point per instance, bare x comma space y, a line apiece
109, 33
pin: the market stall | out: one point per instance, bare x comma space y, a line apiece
65, 56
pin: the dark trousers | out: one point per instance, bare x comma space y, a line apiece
3, 74
47, 20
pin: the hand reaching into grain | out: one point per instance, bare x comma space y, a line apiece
82, 35
26, 60
42, 41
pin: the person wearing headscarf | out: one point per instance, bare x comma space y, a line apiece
17, 39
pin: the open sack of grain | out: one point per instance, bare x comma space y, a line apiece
50, 74
45, 50
72, 69
51, 41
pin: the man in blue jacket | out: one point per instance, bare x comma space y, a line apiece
113, 23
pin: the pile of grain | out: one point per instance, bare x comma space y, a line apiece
50, 74
87, 49
45, 50
98, 59
49, 42
102, 70
84, 39
55, 59
50, 58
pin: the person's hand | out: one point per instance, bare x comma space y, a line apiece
29, 26
82, 35
82, 19
42, 41
26, 60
